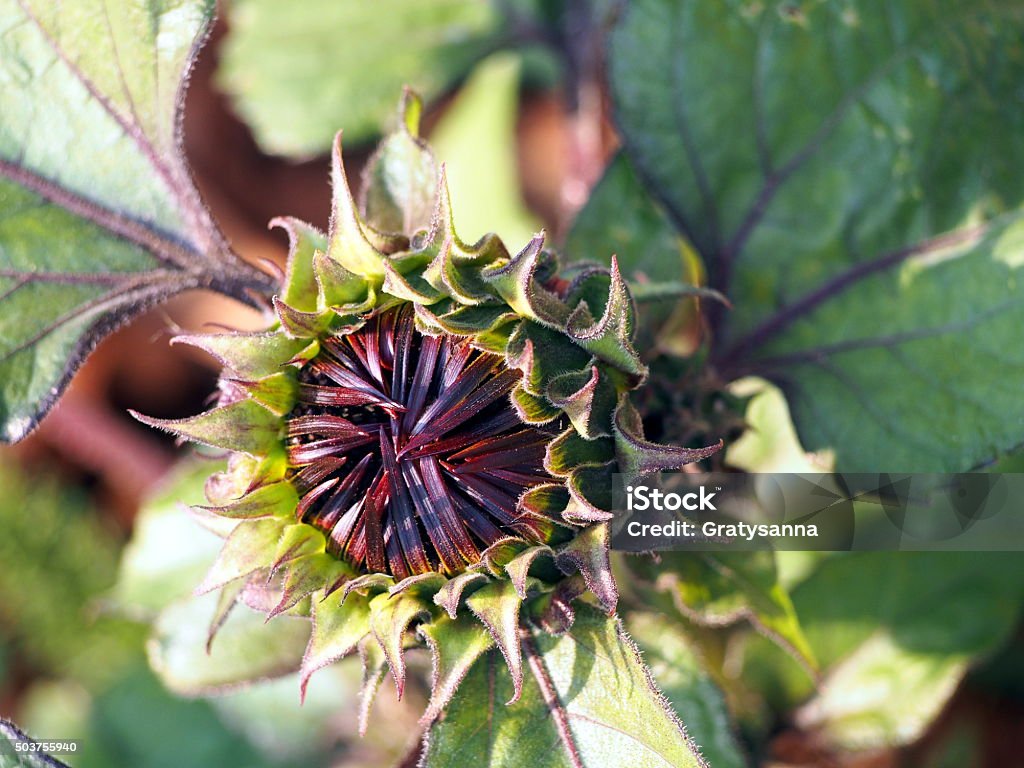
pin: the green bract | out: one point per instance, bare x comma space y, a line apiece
397, 344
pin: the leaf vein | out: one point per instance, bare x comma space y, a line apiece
163, 246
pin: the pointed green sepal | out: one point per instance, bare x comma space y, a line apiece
496, 339
611, 337
457, 268
465, 321
301, 325
516, 283
450, 595
340, 289
297, 540
369, 584
274, 500
457, 273
276, 392
569, 451
455, 644
587, 553
250, 546
590, 494
518, 568
546, 501
390, 617
337, 629
422, 585
304, 240
306, 575
347, 242
587, 398
248, 355
543, 355
638, 457
500, 552
532, 409
411, 286
243, 426
497, 606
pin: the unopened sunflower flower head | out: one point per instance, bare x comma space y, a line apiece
422, 444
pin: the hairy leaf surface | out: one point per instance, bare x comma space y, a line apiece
587, 701
692, 692
100, 219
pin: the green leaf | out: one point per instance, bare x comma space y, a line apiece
476, 140
101, 220
900, 628
847, 177
720, 588
298, 73
271, 718
693, 695
770, 443
169, 551
247, 647
588, 701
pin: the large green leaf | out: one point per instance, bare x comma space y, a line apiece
621, 218
849, 174
693, 694
895, 633
272, 717
169, 552
299, 71
100, 217
721, 588
770, 444
587, 701
246, 648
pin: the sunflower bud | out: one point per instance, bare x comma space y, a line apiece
423, 442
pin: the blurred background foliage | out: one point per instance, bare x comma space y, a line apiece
918, 657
